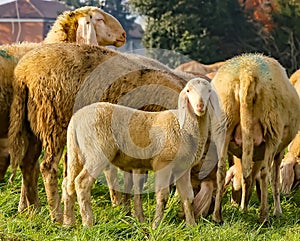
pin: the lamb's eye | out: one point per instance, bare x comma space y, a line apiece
187, 90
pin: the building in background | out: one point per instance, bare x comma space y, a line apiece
30, 20
27, 20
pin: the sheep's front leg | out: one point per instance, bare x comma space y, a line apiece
83, 185
128, 183
49, 168
185, 190
111, 174
221, 173
30, 173
276, 184
139, 178
162, 190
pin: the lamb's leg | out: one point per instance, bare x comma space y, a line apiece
162, 191
185, 190
83, 185
49, 167
276, 183
30, 174
69, 202
221, 173
111, 174
203, 199
139, 178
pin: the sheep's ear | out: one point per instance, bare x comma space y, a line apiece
85, 32
181, 108
214, 103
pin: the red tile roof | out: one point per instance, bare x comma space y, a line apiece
32, 9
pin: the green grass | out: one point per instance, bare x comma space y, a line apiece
113, 224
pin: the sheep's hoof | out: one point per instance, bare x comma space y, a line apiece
155, 224
217, 219
263, 220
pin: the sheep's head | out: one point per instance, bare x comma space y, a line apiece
97, 27
195, 97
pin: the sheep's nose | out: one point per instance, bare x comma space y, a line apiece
200, 106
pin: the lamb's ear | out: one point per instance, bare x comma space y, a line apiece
181, 108
85, 33
214, 103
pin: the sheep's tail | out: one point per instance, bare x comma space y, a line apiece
247, 97
17, 134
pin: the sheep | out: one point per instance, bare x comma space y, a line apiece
290, 166
47, 81
198, 68
9, 55
253, 93
87, 25
71, 26
168, 142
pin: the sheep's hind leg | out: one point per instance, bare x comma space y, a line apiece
69, 202
49, 168
83, 185
30, 174
4, 155
268, 158
4, 163
276, 184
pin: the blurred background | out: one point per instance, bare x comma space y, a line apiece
207, 31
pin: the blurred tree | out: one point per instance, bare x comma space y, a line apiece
206, 31
283, 41
214, 30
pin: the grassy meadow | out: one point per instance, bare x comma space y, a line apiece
113, 224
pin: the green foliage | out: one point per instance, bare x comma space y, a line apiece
207, 31
214, 30
283, 42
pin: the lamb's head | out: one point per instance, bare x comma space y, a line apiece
97, 27
196, 96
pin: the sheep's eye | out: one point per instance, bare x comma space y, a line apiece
187, 90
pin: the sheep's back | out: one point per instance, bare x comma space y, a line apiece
272, 106
53, 75
136, 81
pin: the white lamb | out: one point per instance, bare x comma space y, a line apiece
168, 142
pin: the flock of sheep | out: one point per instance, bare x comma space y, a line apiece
125, 111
